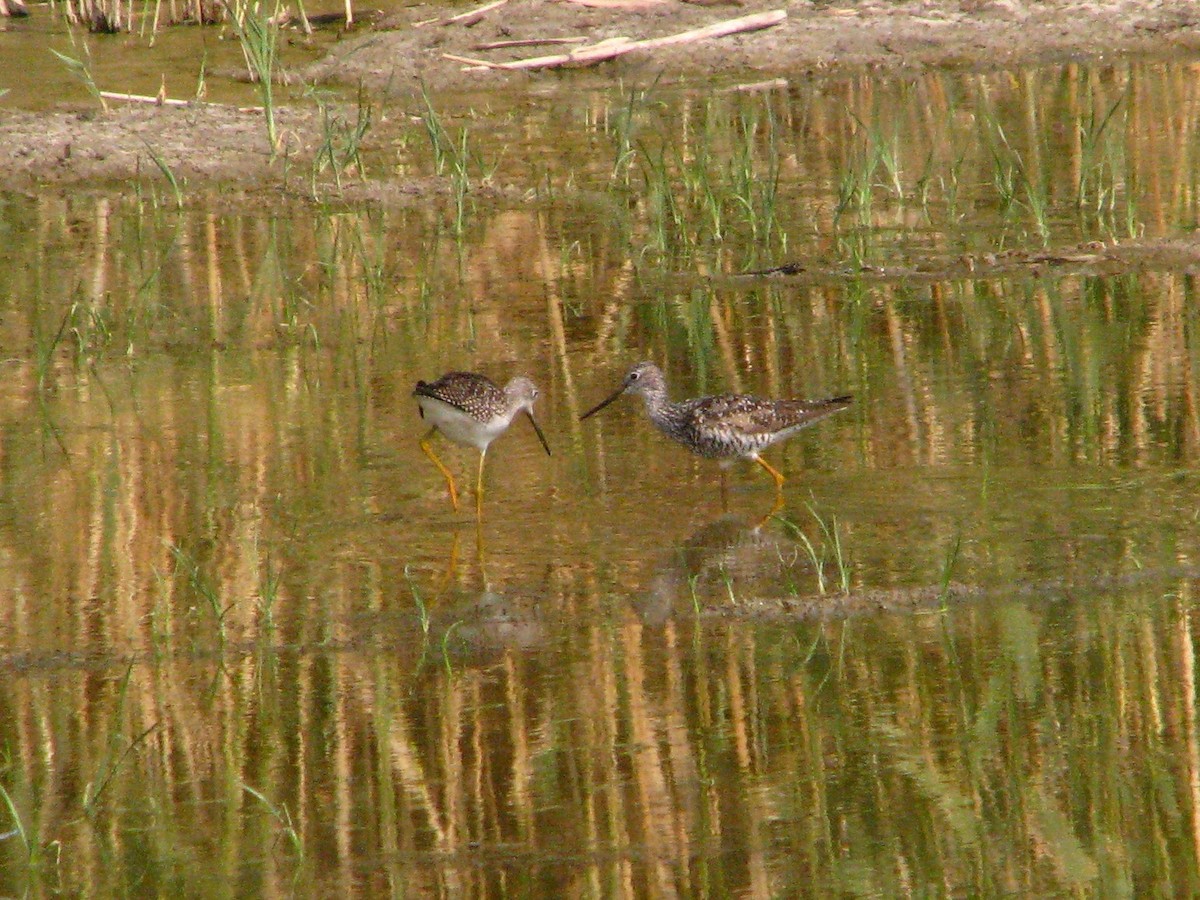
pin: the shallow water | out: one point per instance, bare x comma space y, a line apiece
251, 649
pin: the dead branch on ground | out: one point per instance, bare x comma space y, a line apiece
618, 46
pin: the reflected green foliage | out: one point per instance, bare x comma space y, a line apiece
248, 650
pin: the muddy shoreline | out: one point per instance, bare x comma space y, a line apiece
815, 40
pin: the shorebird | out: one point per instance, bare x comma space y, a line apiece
472, 410
725, 427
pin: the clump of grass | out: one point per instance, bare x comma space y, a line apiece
203, 588
454, 156
693, 580
47, 346
717, 187
268, 596
82, 70
1097, 182
667, 224
340, 150
422, 609
258, 34
167, 173
1011, 178
18, 829
622, 129
35, 856
754, 181
446, 662
948, 565
854, 187
873, 162
202, 77
460, 179
281, 814
438, 139
827, 549
856, 184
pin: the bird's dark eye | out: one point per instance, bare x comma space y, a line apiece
634, 376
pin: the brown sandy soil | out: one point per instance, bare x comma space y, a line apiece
90, 146
815, 37
93, 147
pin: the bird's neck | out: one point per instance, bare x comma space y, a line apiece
514, 407
659, 407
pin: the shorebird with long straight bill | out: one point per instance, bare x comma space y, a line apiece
472, 410
725, 427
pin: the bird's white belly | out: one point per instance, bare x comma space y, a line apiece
459, 427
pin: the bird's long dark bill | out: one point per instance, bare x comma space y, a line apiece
603, 403
538, 429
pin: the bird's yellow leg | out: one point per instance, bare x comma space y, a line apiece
779, 479
428, 448
775, 508
479, 555
451, 567
479, 487
778, 505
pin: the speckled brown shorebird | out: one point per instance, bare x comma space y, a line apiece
472, 410
724, 426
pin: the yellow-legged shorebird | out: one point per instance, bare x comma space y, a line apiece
473, 411
724, 426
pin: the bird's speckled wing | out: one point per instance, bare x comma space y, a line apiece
748, 421
476, 395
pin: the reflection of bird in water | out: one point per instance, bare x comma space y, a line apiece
723, 426
728, 568
475, 623
472, 410
726, 555
494, 622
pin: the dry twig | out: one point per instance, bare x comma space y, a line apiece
470, 17
144, 98
618, 46
618, 4
528, 42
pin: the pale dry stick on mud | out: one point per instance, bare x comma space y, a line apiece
618, 46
